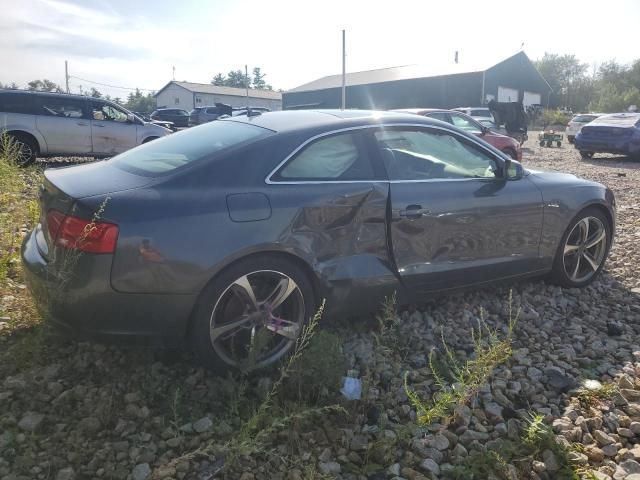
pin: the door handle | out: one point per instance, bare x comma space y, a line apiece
414, 211
98, 125
82, 124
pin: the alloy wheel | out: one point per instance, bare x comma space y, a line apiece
257, 319
585, 249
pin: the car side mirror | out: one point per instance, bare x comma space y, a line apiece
484, 130
512, 170
131, 118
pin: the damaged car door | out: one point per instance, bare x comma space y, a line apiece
456, 219
342, 217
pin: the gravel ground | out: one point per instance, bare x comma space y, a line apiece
72, 410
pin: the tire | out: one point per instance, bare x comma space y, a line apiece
149, 139
586, 155
558, 144
570, 139
542, 143
569, 250
27, 148
227, 298
510, 152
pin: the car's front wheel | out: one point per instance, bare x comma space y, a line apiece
251, 314
22, 147
585, 154
583, 250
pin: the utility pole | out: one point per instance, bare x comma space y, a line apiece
344, 73
246, 82
174, 73
66, 75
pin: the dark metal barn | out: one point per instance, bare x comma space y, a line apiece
461, 85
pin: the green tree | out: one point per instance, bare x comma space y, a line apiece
44, 86
138, 102
566, 75
95, 93
617, 87
219, 80
258, 79
237, 79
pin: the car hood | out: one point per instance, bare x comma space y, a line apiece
544, 178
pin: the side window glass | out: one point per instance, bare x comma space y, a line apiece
440, 116
104, 112
336, 157
61, 107
412, 154
16, 103
465, 123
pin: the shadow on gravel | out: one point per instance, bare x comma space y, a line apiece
619, 161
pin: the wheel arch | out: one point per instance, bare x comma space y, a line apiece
24, 133
287, 255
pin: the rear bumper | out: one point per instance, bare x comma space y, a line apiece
83, 302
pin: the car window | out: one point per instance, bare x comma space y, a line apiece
465, 123
105, 112
212, 110
61, 107
337, 157
181, 113
418, 154
16, 103
180, 149
444, 116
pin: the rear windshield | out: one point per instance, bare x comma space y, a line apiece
480, 113
584, 118
179, 149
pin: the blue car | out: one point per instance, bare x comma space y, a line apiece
614, 133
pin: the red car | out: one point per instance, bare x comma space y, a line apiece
503, 143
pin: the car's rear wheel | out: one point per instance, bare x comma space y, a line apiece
251, 314
24, 147
149, 139
585, 154
583, 250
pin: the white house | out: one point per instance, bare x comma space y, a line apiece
187, 95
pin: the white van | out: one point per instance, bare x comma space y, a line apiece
46, 124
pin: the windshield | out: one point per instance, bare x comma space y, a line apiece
180, 149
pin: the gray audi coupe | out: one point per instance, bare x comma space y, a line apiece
227, 236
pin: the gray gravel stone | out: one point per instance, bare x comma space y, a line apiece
142, 471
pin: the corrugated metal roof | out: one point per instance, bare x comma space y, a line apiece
216, 90
391, 74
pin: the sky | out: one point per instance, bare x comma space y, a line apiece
129, 43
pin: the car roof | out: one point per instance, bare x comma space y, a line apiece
619, 119
292, 120
420, 111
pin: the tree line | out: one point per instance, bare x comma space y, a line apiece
238, 79
579, 87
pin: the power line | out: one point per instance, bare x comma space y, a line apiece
111, 86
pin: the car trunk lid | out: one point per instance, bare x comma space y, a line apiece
63, 187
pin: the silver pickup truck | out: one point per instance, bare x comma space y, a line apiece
47, 124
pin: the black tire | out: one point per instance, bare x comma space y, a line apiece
27, 147
542, 143
218, 295
586, 155
570, 139
149, 139
558, 144
559, 273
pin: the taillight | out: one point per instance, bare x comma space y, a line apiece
79, 234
